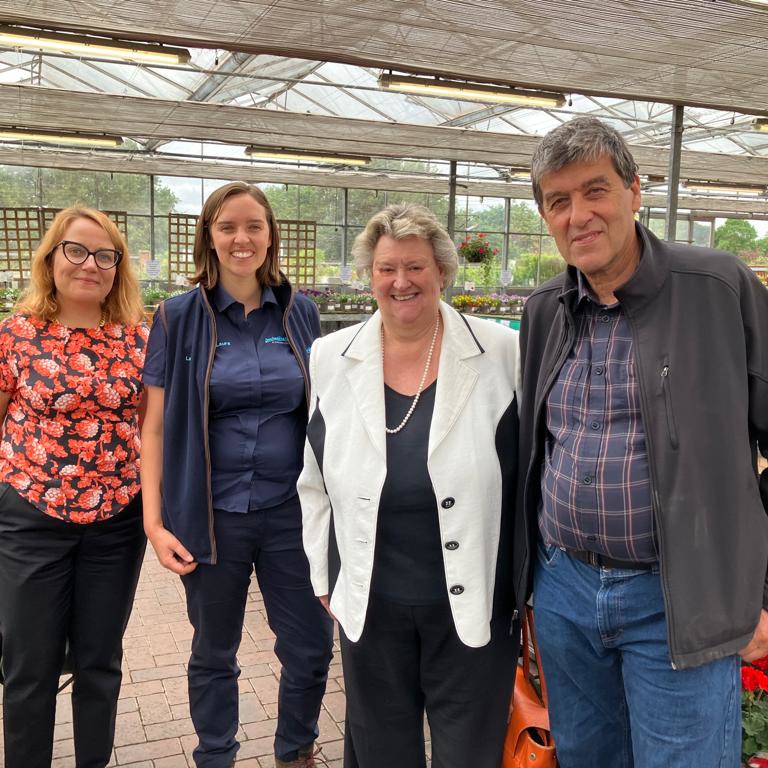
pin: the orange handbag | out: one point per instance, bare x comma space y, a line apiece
529, 742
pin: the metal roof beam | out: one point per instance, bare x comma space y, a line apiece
156, 119
698, 53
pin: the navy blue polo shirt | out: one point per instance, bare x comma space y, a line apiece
256, 423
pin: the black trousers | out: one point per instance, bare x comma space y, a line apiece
60, 581
409, 660
268, 541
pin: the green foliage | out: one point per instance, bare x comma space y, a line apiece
99, 189
154, 293
761, 246
736, 236
22, 187
493, 304
529, 266
523, 219
18, 187
754, 723
8, 297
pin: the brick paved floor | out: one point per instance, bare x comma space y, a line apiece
153, 725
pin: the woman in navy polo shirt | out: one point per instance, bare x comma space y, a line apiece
227, 384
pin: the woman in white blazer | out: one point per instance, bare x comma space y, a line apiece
407, 500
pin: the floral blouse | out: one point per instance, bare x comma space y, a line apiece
70, 442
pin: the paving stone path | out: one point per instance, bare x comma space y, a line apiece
153, 725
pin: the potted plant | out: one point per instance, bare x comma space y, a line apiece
754, 713
8, 297
476, 249
153, 295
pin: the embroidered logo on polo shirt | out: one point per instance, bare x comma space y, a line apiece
223, 343
276, 340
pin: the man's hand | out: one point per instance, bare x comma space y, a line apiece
171, 552
758, 645
325, 600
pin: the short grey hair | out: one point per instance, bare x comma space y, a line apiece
585, 140
403, 220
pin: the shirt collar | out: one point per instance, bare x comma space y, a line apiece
586, 295
222, 300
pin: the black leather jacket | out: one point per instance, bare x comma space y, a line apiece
702, 317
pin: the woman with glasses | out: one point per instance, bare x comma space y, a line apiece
71, 537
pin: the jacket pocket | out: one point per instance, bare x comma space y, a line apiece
665, 388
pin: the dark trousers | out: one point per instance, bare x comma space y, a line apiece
60, 581
410, 659
270, 541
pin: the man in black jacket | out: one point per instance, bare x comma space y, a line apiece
644, 400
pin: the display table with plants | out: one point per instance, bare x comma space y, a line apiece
327, 302
489, 304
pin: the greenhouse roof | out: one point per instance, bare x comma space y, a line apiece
625, 65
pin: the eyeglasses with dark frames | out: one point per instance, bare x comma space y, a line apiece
77, 253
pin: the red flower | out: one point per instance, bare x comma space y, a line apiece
46, 368
87, 428
753, 679
761, 663
81, 363
35, 451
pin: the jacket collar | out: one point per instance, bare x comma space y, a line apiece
644, 284
651, 272
455, 378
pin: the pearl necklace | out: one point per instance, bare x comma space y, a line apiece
421, 383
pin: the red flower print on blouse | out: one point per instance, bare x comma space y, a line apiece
70, 440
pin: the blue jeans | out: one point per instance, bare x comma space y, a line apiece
615, 701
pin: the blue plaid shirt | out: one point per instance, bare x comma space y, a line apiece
596, 490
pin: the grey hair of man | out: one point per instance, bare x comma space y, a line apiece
403, 220
581, 140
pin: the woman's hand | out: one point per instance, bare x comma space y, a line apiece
325, 601
171, 553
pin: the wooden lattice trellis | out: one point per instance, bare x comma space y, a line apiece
297, 248
119, 217
21, 230
298, 256
181, 240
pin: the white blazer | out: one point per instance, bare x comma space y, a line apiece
471, 461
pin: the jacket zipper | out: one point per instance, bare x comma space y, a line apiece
671, 426
206, 440
655, 502
562, 352
296, 352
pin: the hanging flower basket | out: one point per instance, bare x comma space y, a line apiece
476, 249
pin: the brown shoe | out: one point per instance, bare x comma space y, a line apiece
309, 757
